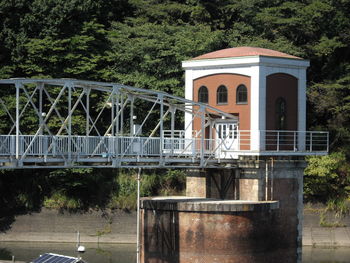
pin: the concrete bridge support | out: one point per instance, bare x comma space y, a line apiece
249, 213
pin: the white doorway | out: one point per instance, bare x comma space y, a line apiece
227, 138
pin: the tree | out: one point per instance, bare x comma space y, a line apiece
79, 56
327, 177
149, 55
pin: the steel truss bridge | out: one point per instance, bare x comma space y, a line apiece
62, 123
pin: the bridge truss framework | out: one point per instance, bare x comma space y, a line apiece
62, 123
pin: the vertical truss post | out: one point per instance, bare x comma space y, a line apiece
211, 127
113, 111
111, 143
160, 97
40, 86
117, 111
41, 122
69, 85
131, 98
172, 127
122, 114
18, 85
87, 125
117, 122
202, 110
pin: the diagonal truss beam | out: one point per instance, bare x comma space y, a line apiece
72, 93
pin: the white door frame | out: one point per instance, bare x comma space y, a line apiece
226, 132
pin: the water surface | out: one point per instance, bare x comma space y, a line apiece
326, 255
125, 253
102, 253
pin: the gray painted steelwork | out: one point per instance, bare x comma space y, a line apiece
68, 127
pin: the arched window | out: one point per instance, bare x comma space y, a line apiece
221, 95
203, 94
281, 114
241, 94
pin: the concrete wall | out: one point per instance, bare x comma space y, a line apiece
197, 184
259, 180
54, 226
283, 182
249, 189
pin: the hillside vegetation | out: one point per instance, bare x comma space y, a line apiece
142, 43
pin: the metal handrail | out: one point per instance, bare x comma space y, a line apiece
90, 146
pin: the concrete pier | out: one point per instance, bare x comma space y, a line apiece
248, 213
207, 230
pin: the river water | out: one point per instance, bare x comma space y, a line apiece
125, 253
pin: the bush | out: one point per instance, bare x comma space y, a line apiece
327, 177
152, 184
173, 182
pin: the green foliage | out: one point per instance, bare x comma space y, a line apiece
327, 177
149, 55
82, 189
142, 43
339, 206
61, 201
126, 184
152, 184
173, 182
81, 55
90, 187
126, 203
331, 103
335, 210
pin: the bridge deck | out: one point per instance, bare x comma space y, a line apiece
129, 151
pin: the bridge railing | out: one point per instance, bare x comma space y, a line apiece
278, 142
281, 141
44, 145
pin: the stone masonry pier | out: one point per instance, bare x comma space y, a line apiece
178, 229
250, 212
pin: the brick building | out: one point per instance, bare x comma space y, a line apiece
263, 88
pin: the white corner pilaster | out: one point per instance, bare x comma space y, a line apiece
188, 96
258, 107
262, 107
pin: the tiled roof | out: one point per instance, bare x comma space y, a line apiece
244, 52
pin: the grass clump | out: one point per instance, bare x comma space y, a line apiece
60, 201
338, 208
325, 223
126, 203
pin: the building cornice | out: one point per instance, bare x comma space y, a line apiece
247, 61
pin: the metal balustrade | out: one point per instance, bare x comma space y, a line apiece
109, 146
